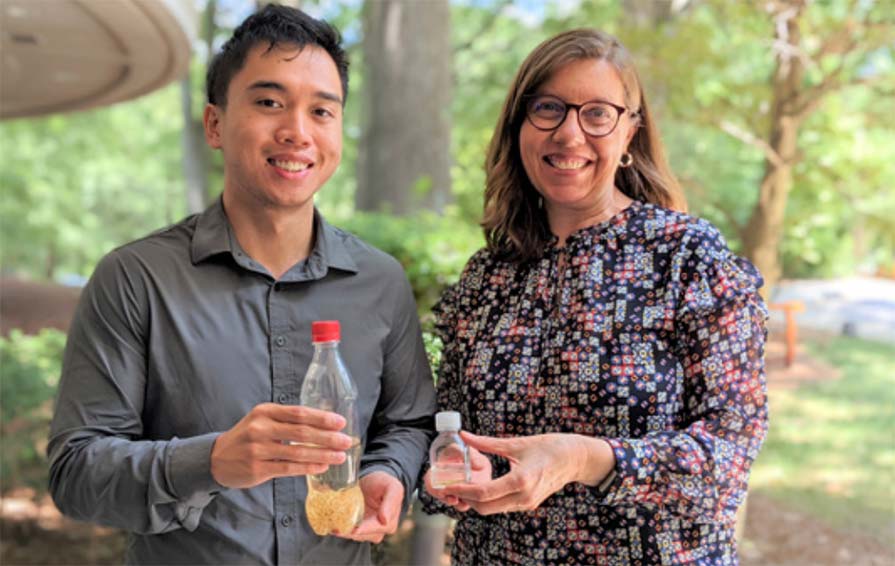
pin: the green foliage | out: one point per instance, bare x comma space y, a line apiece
830, 448
840, 210
433, 351
30, 367
708, 68
75, 186
487, 52
433, 249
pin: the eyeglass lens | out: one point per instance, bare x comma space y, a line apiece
595, 118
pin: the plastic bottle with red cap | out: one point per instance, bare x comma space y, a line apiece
335, 502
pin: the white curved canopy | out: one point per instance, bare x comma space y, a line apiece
62, 55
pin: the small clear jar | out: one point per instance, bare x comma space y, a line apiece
448, 455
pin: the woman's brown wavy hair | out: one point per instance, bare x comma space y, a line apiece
516, 227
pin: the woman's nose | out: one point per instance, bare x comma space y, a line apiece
569, 131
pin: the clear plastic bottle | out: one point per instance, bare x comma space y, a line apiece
448, 455
335, 501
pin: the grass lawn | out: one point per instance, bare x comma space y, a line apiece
831, 447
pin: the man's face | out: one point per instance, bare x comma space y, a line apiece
281, 130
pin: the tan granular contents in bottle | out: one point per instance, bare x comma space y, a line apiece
335, 510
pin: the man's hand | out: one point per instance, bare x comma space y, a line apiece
383, 497
540, 466
258, 447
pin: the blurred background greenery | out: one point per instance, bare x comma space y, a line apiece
777, 117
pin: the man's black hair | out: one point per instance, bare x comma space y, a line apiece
276, 26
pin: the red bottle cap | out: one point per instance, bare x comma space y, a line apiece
325, 331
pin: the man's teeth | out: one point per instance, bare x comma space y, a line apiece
292, 166
567, 163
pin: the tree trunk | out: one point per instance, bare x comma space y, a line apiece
404, 155
195, 156
429, 535
646, 13
764, 230
196, 161
51, 261
762, 233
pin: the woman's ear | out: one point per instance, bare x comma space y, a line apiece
636, 124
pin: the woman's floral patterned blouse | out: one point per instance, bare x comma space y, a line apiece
644, 330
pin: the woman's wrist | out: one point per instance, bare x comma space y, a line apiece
598, 460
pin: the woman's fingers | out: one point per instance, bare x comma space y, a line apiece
477, 461
506, 447
461, 505
506, 485
439, 494
515, 503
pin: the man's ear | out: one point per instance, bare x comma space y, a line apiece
212, 119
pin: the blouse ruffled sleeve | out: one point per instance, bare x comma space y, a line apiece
700, 469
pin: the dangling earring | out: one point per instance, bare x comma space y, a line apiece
540, 202
626, 160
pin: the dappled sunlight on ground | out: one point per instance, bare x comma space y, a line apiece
779, 536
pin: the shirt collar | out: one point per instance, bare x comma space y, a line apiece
213, 234
329, 246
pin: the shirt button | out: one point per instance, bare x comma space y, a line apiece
283, 398
280, 341
286, 520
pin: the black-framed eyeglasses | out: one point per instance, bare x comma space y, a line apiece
596, 118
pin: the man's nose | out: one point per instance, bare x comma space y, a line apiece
294, 130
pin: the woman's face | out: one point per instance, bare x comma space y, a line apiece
575, 172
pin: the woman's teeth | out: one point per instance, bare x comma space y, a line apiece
567, 163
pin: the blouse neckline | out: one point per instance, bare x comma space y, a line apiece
609, 228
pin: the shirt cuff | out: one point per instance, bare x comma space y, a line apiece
367, 470
189, 470
622, 483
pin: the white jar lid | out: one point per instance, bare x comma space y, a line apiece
447, 421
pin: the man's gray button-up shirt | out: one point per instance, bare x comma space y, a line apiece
177, 336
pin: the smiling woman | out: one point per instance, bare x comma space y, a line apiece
605, 349
572, 163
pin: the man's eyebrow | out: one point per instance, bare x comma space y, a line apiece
273, 85
264, 85
328, 96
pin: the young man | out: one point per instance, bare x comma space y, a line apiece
184, 363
